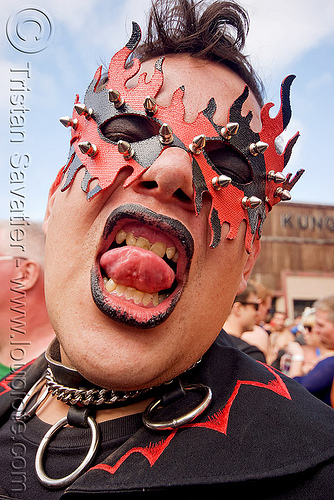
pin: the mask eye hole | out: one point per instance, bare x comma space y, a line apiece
228, 161
130, 128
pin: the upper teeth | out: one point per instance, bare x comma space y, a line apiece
159, 248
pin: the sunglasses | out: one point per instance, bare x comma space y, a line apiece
254, 304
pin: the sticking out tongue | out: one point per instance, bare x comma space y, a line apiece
138, 268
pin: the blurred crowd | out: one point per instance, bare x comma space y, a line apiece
302, 349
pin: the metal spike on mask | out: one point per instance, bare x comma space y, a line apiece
82, 109
230, 130
150, 105
284, 194
258, 148
125, 149
198, 144
166, 134
87, 148
251, 202
277, 177
221, 182
67, 121
116, 98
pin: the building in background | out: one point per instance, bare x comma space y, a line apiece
297, 257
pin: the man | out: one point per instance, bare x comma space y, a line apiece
163, 195
241, 319
25, 329
259, 336
317, 381
279, 338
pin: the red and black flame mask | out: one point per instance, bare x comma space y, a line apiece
232, 200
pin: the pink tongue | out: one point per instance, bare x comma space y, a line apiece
138, 268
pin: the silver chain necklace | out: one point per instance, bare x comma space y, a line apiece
95, 396
86, 398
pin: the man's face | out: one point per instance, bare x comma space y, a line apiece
311, 335
141, 334
248, 313
278, 321
325, 328
264, 306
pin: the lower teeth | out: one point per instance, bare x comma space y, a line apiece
131, 293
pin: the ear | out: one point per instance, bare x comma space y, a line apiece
29, 271
251, 259
236, 308
51, 198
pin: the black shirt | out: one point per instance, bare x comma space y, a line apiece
250, 349
263, 436
19, 443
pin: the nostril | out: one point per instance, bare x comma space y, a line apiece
181, 195
149, 184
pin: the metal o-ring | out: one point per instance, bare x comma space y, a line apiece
21, 414
184, 419
67, 480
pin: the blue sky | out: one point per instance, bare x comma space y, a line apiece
289, 36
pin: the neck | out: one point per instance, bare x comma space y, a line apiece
66, 386
232, 327
59, 378
326, 353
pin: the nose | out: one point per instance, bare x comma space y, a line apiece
169, 178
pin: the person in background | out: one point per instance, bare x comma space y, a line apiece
297, 326
318, 381
313, 349
259, 336
279, 338
241, 319
25, 328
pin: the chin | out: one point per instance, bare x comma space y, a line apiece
122, 374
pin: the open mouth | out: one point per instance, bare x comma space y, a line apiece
142, 266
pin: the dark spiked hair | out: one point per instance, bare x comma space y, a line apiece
216, 32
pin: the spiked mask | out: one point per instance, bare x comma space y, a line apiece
234, 198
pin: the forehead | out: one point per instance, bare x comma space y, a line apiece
202, 80
321, 316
